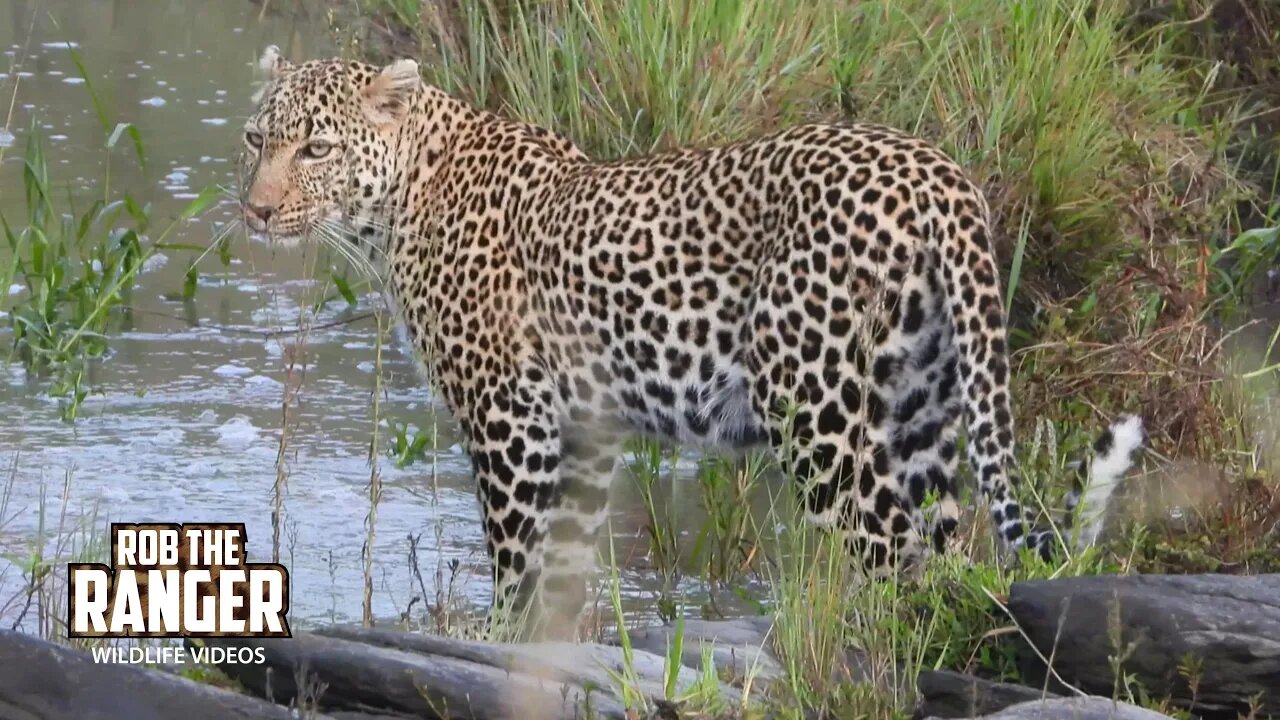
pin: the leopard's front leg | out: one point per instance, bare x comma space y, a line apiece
543, 487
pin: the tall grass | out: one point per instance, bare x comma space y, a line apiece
631, 76
1049, 103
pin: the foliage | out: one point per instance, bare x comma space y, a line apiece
77, 265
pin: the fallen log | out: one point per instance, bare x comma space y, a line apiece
43, 681
1075, 708
1209, 643
1229, 626
740, 648
379, 670
948, 694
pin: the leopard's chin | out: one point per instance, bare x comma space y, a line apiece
287, 242
276, 239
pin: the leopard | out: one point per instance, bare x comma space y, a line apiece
827, 293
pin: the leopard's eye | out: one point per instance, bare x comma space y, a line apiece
253, 139
316, 150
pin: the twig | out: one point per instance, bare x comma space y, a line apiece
1047, 663
1208, 10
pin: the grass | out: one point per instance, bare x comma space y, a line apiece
1128, 198
79, 264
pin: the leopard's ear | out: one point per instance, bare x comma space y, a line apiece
386, 97
270, 66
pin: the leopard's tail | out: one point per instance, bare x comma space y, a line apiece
1113, 454
971, 281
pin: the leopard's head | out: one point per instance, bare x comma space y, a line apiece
320, 147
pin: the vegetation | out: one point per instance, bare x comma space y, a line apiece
1126, 150
77, 266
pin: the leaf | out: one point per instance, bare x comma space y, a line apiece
224, 250
134, 135
35, 178
344, 289
39, 246
189, 247
93, 93
138, 150
115, 135
1262, 235
676, 653
87, 219
189, 283
1089, 304
201, 203
139, 214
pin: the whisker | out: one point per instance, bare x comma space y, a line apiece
218, 237
374, 250
332, 237
391, 230
335, 243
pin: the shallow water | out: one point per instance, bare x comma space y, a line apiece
188, 421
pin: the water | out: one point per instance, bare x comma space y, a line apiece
188, 423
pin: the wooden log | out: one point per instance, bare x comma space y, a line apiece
393, 672
1074, 708
1227, 627
581, 664
948, 694
43, 681
348, 675
740, 648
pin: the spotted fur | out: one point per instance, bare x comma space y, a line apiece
828, 291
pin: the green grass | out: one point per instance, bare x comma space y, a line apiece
80, 263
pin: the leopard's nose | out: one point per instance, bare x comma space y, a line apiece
256, 216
